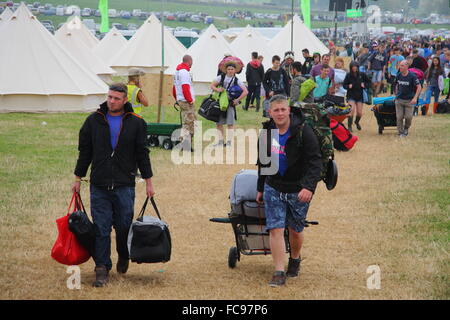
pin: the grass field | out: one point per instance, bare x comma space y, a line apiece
214, 9
390, 208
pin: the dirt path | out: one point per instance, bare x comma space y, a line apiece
363, 222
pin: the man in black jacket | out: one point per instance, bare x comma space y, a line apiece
254, 76
113, 142
287, 180
276, 80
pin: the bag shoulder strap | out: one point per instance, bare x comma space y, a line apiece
300, 134
141, 213
222, 79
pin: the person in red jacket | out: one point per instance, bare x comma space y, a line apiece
183, 92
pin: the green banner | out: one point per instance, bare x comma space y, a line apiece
103, 7
353, 13
305, 6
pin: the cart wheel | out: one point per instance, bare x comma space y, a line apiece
153, 141
167, 144
380, 129
232, 257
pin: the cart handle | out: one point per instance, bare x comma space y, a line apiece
220, 220
228, 220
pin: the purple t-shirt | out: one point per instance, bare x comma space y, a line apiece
114, 128
315, 71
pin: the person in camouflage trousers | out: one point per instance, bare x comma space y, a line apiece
183, 92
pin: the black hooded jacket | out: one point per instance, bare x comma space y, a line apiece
113, 168
304, 159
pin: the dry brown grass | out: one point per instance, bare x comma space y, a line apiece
364, 221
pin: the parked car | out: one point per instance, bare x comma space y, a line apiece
50, 12
136, 12
60, 11
181, 17
118, 26
112, 13
195, 18
208, 20
132, 26
86, 12
125, 15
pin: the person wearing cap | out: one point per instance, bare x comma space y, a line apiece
183, 92
377, 63
113, 142
135, 95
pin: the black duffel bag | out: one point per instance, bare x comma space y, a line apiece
210, 109
81, 226
149, 238
443, 107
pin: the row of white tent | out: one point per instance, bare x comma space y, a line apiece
69, 71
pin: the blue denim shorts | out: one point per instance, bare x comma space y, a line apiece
377, 76
284, 209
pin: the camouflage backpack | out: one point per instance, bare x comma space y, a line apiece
316, 117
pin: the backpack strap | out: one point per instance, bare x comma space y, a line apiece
300, 135
222, 79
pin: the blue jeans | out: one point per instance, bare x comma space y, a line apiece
111, 208
432, 92
284, 209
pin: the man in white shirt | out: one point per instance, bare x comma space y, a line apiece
183, 92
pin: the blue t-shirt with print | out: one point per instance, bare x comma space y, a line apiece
279, 146
394, 62
115, 123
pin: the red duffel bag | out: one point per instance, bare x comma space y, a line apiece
343, 140
67, 250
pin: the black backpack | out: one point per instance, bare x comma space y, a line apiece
443, 107
82, 227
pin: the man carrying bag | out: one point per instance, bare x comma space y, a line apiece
113, 141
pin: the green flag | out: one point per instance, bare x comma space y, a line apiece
103, 7
305, 5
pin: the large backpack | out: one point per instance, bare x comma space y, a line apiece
317, 118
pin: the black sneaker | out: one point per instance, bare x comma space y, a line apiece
101, 276
358, 126
293, 267
122, 265
278, 279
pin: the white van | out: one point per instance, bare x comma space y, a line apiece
112, 13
